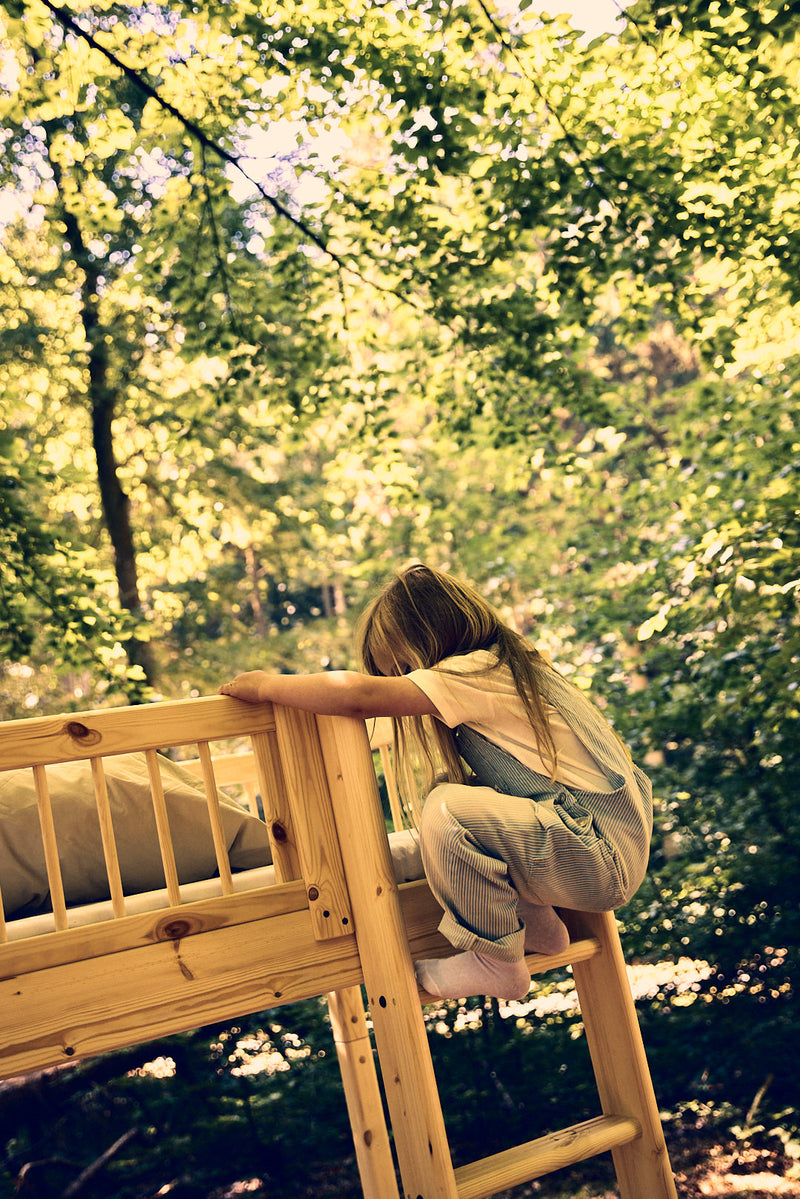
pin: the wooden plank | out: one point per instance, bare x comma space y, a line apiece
420, 911
228, 768
618, 1057
41, 740
165, 924
317, 840
66, 1012
422, 914
552, 1152
399, 1030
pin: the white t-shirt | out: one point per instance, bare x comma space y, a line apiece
465, 692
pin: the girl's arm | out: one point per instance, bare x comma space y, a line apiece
333, 693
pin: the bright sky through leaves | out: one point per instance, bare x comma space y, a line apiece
592, 17
268, 151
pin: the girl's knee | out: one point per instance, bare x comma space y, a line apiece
439, 821
454, 807
435, 809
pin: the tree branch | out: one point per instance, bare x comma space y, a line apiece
592, 170
68, 21
86, 1176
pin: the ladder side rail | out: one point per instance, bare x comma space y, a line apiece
618, 1058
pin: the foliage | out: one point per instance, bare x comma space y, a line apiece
46, 579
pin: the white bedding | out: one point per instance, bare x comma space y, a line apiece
23, 874
406, 859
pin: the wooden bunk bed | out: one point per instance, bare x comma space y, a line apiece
326, 918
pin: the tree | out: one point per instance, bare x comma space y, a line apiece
484, 191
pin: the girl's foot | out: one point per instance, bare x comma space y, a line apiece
473, 974
544, 931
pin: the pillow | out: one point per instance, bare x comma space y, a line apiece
406, 856
23, 876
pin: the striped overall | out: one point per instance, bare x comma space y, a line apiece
519, 833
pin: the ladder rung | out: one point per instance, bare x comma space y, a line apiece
540, 963
576, 951
514, 1166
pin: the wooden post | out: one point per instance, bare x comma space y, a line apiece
321, 867
275, 803
409, 1082
307, 787
364, 1104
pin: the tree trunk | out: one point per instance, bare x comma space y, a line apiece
115, 503
103, 400
255, 574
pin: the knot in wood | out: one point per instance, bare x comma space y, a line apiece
175, 930
79, 732
278, 831
313, 893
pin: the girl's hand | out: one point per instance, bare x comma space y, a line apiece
250, 686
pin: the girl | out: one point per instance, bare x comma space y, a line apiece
555, 814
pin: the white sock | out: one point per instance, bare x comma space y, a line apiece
545, 932
473, 974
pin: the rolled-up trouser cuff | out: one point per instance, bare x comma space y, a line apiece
510, 948
472, 884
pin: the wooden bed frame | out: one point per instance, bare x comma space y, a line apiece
334, 921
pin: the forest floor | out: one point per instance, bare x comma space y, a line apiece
711, 1168
705, 1167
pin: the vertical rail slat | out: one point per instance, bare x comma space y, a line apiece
274, 799
162, 825
108, 839
251, 792
395, 803
50, 848
217, 831
413, 805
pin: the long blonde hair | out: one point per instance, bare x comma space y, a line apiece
421, 618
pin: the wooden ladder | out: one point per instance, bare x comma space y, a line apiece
629, 1126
